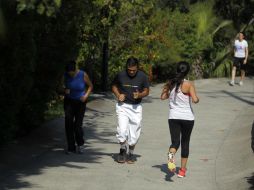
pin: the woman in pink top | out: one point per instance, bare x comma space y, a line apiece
180, 93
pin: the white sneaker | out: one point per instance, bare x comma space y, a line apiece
241, 83
232, 83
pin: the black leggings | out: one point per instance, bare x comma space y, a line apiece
180, 131
74, 114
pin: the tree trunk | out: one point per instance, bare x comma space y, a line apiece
197, 68
104, 76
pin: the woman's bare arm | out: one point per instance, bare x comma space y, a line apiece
193, 94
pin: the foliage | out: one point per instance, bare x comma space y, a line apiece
131, 35
55, 109
37, 37
241, 14
47, 7
33, 55
190, 34
239, 11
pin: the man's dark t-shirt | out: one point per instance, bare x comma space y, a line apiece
128, 85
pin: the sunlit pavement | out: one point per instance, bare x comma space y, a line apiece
220, 152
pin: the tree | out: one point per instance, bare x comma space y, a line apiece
241, 15
34, 51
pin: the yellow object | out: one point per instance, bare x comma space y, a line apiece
171, 166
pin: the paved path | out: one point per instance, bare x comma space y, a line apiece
220, 153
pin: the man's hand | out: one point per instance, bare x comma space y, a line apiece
245, 61
136, 94
121, 97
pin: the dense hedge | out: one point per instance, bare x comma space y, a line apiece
38, 37
34, 49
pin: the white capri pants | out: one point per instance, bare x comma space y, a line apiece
129, 118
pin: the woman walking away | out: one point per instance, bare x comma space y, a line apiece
180, 92
76, 94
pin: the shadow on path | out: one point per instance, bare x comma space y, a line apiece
250, 180
239, 98
164, 169
44, 149
115, 157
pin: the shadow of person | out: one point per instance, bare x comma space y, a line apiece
115, 157
164, 168
252, 137
250, 180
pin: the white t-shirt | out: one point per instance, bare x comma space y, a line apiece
240, 48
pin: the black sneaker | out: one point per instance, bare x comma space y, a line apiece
68, 152
131, 159
80, 149
121, 156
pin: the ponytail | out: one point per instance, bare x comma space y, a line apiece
182, 70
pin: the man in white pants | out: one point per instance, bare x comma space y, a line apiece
129, 87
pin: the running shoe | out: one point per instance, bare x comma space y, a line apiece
182, 172
70, 152
241, 83
131, 159
121, 156
80, 149
171, 162
232, 83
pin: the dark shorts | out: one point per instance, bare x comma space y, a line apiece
238, 63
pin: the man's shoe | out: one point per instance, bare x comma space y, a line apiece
121, 156
131, 159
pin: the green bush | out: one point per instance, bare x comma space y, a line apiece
33, 54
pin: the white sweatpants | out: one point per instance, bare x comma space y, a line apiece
129, 122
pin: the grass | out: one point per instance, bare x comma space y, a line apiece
55, 110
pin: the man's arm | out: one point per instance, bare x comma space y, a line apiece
115, 91
145, 91
142, 94
120, 97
